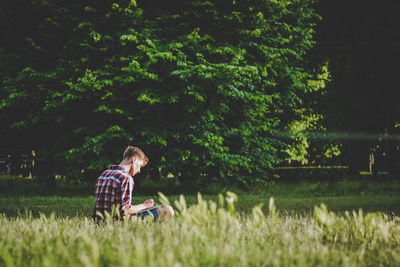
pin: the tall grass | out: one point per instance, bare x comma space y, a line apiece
209, 233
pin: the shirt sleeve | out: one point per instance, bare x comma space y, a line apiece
126, 193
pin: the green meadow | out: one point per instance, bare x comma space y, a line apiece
285, 224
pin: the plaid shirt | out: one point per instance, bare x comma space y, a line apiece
113, 189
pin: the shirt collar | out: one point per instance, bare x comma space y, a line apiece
116, 167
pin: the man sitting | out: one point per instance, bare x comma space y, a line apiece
114, 190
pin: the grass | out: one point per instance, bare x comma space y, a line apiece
81, 206
205, 234
18, 195
50, 229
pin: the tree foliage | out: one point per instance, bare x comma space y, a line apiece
201, 86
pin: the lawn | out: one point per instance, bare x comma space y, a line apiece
83, 206
358, 226
18, 196
203, 234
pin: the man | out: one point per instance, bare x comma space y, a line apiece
114, 190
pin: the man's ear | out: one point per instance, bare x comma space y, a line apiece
133, 159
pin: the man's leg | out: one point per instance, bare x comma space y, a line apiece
160, 213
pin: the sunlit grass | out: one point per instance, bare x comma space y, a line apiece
56, 230
208, 233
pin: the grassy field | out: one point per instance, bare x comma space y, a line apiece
81, 206
19, 195
209, 230
205, 234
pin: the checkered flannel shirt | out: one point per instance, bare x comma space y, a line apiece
113, 189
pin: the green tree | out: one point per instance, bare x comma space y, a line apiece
201, 86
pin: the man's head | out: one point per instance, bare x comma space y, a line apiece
136, 158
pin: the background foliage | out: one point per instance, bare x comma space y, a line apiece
207, 88
360, 103
199, 85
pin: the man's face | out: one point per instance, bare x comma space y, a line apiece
136, 165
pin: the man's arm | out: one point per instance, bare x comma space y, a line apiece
138, 208
126, 198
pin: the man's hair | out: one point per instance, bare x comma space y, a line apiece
132, 151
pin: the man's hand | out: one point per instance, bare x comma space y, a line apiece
149, 203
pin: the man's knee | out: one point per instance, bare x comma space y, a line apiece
166, 212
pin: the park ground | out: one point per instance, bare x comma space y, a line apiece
382, 194
342, 222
